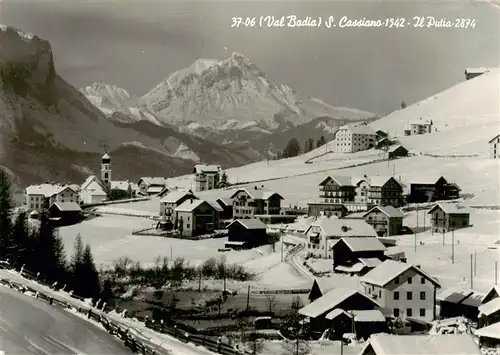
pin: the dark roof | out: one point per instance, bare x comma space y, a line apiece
67, 206
249, 223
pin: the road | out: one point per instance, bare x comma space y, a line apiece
293, 258
28, 326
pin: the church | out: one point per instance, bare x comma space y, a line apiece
95, 190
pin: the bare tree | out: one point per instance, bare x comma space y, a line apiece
295, 330
271, 301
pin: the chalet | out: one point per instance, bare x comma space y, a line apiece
386, 220
405, 289
448, 216
436, 344
473, 72
430, 190
248, 203
65, 213
457, 302
495, 147
171, 201
246, 233
397, 151
337, 189
197, 217
354, 137
227, 208
321, 233
489, 310
92, 191
379, 190
323, 312
41, 197
318, 209
383, 143
318, 289
151, 185
207, 177
357, 255
381, 134
420, 127
489, 336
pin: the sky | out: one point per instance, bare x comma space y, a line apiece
136, 44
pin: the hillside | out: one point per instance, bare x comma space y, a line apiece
49, 130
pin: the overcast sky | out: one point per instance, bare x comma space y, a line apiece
135, 44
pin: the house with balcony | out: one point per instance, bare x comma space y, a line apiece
489, 310
405, 289
418, 127
386, 220
425, 189
337, 189
197, 217
379, 190
207, 177
354, 137
253, 202
357, 255
171, 201
324, 232
448, 216
41, 197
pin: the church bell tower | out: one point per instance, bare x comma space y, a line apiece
106, 170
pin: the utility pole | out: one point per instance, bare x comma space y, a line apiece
281, 246
475, 263
471, 272
443, 236
224, 282
415, 241
199, 281
452, 246
248, 298
171, 254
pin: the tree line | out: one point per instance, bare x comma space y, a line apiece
293, 148
40, 249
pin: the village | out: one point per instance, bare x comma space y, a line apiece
352, 229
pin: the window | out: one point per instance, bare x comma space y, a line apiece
396, 295
409, 295
422, 312
410, 280
187, 225
396, 280
422, 295
422, 280
380, 293
409, 312
396, 312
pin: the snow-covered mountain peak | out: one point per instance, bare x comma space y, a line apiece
107, 91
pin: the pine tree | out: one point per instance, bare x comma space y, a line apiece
403, 104
76, 266
90, 278
6, 205
306, 146
310, 144
23, 243
223, 181
292, 148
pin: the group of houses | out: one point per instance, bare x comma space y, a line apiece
398, 298
339, 195
243, 212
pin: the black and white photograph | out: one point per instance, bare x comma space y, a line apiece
293, 177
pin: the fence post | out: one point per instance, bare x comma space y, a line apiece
51, 301
89, 313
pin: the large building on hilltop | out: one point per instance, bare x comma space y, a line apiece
206, 177
495, 147
353, 138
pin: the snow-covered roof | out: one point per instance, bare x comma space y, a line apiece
258, 193
190, 206
148, 180
106, 156
155, 189
389, 211
98, 192
480, 70
450, 208
359, 128
372, 315
357, 244
339, 228
206, 169
215, 205
335, 313
353, 268
67, 206
474, 300
494, 138
175, 196
491, 307
330, 301
249, 223
495, 290
47, 190
89, 180
339, 179
437, 344
375, 180
453, 294
120, 185
492, 331
370, 262
389, 270
395, 147
226, 201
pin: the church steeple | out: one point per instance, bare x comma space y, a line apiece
106, 169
